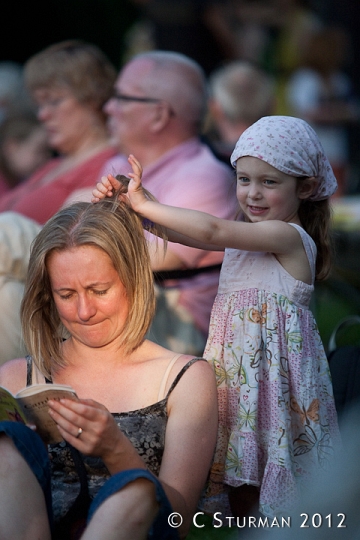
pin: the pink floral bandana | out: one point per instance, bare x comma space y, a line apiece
290, 145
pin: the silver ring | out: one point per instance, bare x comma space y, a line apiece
79, 432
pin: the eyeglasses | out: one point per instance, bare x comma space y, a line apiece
127, 98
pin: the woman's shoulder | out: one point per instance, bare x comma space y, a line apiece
13, 374
194, 372
171, 369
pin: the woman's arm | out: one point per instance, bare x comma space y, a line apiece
190, 440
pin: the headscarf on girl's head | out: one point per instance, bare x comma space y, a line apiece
290, 145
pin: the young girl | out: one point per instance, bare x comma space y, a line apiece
278, 422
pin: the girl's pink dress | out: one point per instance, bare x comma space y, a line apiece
278, 423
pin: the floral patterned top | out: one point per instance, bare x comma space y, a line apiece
145, 428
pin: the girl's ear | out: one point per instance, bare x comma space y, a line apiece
306, 187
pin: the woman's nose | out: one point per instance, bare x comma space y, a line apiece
86, 308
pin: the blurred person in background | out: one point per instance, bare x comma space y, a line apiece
240, 94
16, 235
23, 149
69, 83
269, 33
13, 95
321, 93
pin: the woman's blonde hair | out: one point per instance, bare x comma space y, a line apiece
80, 67
117, 230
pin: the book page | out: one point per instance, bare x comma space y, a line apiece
36, 409
43, 387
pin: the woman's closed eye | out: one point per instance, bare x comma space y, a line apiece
65, 296
97, 292
101, 293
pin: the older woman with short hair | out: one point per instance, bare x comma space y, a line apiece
69, 82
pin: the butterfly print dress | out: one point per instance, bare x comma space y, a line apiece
278, 423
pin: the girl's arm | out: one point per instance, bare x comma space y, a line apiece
207, 231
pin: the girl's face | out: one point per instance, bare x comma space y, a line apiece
88, 294
265, 193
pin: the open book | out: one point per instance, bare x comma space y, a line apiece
29, 406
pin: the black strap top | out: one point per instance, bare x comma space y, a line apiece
145, 428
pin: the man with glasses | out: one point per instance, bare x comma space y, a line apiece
156, 113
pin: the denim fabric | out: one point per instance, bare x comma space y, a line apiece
33, 450
160, 529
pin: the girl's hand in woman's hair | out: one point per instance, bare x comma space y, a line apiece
132, 191
108, 184
105, 188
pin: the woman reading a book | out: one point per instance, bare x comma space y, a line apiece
141, 434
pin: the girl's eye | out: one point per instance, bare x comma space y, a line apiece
269, 182
65, 296
243, 180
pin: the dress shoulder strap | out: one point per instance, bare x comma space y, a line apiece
165, 377
181, 373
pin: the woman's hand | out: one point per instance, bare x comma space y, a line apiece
91, 428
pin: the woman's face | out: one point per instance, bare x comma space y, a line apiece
66, 120
88, 294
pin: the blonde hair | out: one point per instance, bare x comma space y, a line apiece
79, 66
117, 230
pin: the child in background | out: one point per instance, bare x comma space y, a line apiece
278, 422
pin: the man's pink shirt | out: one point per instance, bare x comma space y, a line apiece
190, 176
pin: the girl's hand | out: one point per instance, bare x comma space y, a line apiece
105, 188
99, 434
135, 193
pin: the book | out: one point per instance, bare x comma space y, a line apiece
29, 406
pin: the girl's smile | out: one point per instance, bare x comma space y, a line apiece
257, 210
265, 193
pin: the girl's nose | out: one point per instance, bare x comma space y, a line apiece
86, 308
254, 191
